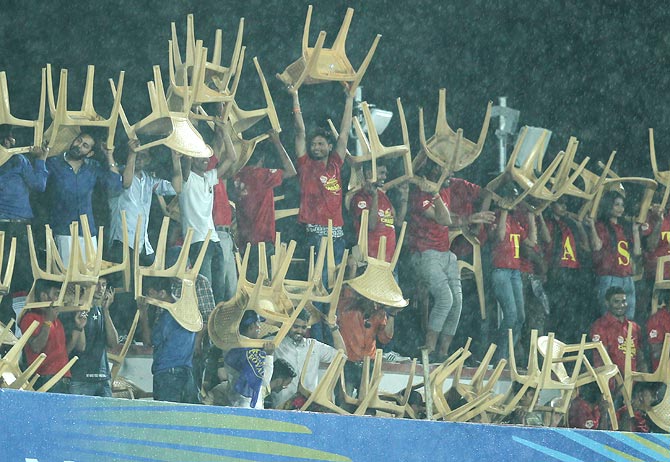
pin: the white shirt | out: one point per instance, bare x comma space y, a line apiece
136, 200
196, 202
295, 355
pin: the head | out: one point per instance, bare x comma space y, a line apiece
381, 173
6, 137
100, 288
320, 144
199, 164
47, 291
560, 206
644, 395
611, 206
250, 325
282, 375
142, 161
615, 299
299, 327
81, 147
158, 288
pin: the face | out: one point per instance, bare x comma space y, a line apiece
9, 142
280, 384
141, 161
647, 398
319, 147
199, 164
100, 289
381, 175
253, 330
51, 295
618, 305
297, 332
81, 147
558, 208
617, 208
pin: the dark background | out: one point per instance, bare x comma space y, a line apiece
594, 70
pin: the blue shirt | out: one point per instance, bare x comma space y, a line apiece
70, 194
173, 345
17, 179
136, 201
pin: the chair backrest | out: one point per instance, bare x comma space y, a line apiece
8, 272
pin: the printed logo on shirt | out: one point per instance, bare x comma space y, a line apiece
332, 185
568, 252
323, 179
624, 254
362, 204
620, 339
386, 217
596, 338
426, 202
653, 333
273, 170
589, 424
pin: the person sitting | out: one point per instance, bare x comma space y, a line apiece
588, 409
282, 376
644, 396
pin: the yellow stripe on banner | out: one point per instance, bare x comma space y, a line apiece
623, 455
661, 450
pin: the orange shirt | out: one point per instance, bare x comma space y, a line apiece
361, 341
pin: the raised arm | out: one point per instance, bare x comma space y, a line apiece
345, 126
129, 171
177, 176
229, 153
111, 334
594, 237
287, 166
401, 213
299, 124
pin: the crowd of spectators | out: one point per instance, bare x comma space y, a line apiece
548, 271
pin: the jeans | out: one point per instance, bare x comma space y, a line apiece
229, 266
508, 291
626, 283
175, 385
91, 388
318, 331
214, 268
62, 386
439, 271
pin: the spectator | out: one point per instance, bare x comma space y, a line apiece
49, 338
657, 326
72, 178
382, 218
282, 376
254, 185
644, 395
18, 177
612, 330
249, 369
173, 346
588, 409
196, 201
293, 349
613, 249
91, 373
319, 172
567, 252
656, 244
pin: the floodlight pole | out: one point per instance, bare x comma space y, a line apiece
507, 123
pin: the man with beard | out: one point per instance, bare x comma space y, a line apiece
382, 218
72, 178
293, 349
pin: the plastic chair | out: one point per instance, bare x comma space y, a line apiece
6, 276
475, 267
323, 394
6, 118
87, 116
660, 375
117, 359
662, 177
449, 149
185, 309
660, 283
174, 127
319, 64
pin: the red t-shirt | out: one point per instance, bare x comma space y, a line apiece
525, 265
359, 340
385, 221
255, 204
614, 259
663, 248
640, 424
568, 257
507, 253
55, 349
583, 415
657, 326
222, 212
425, 233
613, 333
462, 197
320, 190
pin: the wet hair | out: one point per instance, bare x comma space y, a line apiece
323, 133
283, 370
612, 291
157, 284
43, 286
606, 204
304, 315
